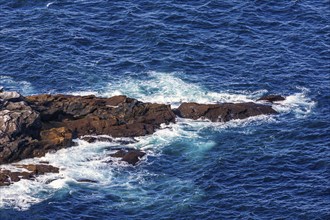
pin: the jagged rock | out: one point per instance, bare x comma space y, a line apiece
130, 156
10, 96
19, 126
57, 138
34, 125
18, 119
222, 112
271, 98
8, 177
117, 116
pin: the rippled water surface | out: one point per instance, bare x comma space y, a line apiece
267, 167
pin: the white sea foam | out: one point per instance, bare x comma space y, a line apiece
84, 93
23, 87
298, 103
89, 161
170, 89
83, 162
49, 4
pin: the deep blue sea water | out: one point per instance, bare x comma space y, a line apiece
268, 167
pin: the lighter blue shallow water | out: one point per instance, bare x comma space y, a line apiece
172, 51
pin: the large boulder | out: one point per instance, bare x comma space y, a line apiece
20, 124
18, 119
222, 112
10, 96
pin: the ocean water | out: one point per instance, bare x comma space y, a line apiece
266, 167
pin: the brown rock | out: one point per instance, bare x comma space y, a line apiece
4, 179
222, 112
117, 116
39, 169
131, 156
57, 138
35, 125
8, 177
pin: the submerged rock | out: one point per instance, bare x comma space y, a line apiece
131, 156
8, 177
37, 169
271, 98
86, 181
223, 112
93, 139
122, 141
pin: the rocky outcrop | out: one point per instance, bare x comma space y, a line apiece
29, 171
117, 116
222, 112
21, 132
34, 125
